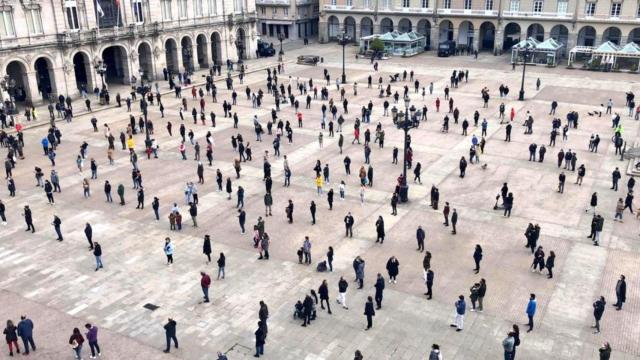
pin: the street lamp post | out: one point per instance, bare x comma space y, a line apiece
101, 69
524, 68
344, 39
281, 53
405, 123
143, 105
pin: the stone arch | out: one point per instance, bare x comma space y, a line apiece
511, 35
535, 31
83, 69
405, 25
145, 60
201, 51
445, 31
465, 34
333, 27
216, 48
612, 34
171, 54
116, 59
487, 36
350, 27
17, 70
424, 28
186, 50
366, 26
242, 44
386, 25
45, 76
560, 33
634, 36
587, 36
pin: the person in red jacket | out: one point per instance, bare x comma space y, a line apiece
205, 282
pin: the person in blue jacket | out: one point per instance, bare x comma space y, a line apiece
531, 310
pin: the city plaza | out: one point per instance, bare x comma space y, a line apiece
55, 284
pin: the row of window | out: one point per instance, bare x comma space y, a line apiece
34, 19
34, 22
285, 11
514, 6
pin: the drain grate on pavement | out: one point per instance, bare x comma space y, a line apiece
150, 306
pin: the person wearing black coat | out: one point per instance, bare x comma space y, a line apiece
11, 336
379, 290
477, 257
323, 291
260, 340
621, 292
454, 221
463, 166
28, 219
88, 232
550, 264
155, 204
222, 262
369, 312
598, 310
206, 248
429, 282
380, 230
170, 334
420, 236
393, 266
56, 225
307, 310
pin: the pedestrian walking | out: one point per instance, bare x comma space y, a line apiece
11, 336
76, 341
25, 332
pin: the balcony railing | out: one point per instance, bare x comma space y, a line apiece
306, 2
338, 7
475, 12
609, 17
273, 2
535, 14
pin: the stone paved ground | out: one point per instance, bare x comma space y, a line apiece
56, 285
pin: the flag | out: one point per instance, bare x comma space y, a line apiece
99, 8
117, 3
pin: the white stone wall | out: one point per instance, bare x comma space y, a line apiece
58, 45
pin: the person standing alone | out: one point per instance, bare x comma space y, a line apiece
170, 334
531, 310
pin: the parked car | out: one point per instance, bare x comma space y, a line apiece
446, 48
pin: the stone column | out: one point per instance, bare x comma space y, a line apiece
499, 39
476, 39
32, 79
434, 37
322, 32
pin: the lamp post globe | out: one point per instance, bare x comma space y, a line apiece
524, 68
344, 39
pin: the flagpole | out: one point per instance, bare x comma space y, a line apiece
97, 17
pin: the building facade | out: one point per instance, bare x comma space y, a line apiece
49, 48
493, 25
296, 19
